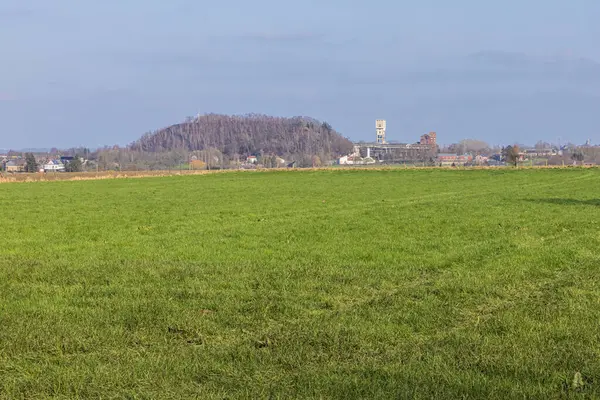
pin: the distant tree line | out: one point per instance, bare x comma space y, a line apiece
215, 141
232, 138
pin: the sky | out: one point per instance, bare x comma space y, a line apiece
93, 73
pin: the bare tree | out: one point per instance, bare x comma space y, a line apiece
512, 154
577, 156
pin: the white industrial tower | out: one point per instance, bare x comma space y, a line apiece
380, 125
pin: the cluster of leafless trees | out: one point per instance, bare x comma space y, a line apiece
132, 160
235, 137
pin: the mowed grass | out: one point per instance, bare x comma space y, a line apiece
325, 284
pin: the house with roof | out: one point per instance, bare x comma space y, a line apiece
454, 159
481, 159
53, 166
14, 166
350, 160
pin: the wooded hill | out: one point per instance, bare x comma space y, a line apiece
237, 137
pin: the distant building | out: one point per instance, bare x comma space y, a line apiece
450, 158
15, 166
380, 126
382, 151
540, 153
252, 160
429, 139
350, 160
53, 166
480, 159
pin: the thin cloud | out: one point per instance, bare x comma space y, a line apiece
10, 13
275, 37
286, 37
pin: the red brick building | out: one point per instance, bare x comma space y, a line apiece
429, 139
449, 159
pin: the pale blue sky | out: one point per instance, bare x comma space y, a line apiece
82, 72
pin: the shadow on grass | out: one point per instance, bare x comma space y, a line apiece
568, 202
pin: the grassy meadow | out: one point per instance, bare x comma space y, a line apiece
416, 284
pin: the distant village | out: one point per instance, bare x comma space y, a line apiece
425, 152
14, 162
428, 152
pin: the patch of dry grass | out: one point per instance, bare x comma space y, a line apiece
84, 176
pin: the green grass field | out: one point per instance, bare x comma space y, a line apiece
325, 284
